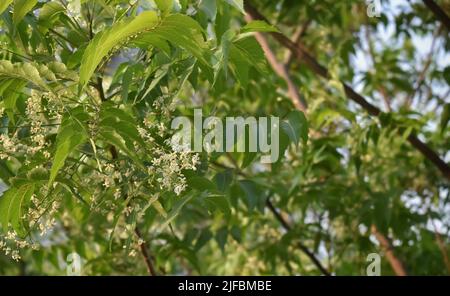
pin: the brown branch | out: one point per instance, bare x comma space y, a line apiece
143, 246
301, 246
371, 52
302, 55
395, 263
99, 87
278, 216
297, 37
145, 253
438, 12
253, 14
281, 71
427, 64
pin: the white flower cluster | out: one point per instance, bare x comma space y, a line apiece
7, 147
33, 112
42, 216
165, 108
169, 167
11, 244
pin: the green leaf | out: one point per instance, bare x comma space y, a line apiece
123, 124
445, 117
70, 136
244, 54
203, 239
239, 4
223, 180
220, 202
201, 183
12, 204
4, 4
5, 204
114, 138
253, 193
22, 71
296, 127
249, 157
258, 26
185, 32
105, 41
221, 237
165, 5
209, 7
49, 13
18, 204
176, 210
21, 8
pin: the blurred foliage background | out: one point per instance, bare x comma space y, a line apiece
88, 90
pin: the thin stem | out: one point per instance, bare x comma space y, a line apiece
145, 253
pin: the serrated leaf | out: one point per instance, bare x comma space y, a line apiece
258, 26
5, 204
220, 202
4, 4
244, 54
106, 40
296, 127
49, 13
203, 239
239, 4
12, 205
253, 194
221, 237
185, 32
23, 71
201, 183
209, 7
21, 8
18, 203
111, 136
70, 136
123, 123
164, 5
176, 210
223, 180
445, 117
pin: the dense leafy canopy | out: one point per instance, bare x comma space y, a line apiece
88, 89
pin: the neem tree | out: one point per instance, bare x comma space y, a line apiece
89, 88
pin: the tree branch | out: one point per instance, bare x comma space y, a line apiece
254, 14
438, 12
145, 253
281, 71
283, 222
303, 56
395, 263
301, 246
296, 38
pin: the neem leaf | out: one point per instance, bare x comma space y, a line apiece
296, 127
4, 4
5, 204
105, 41
258, 26
21, 8
16, 211
70, 136
239, 4
164, 5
